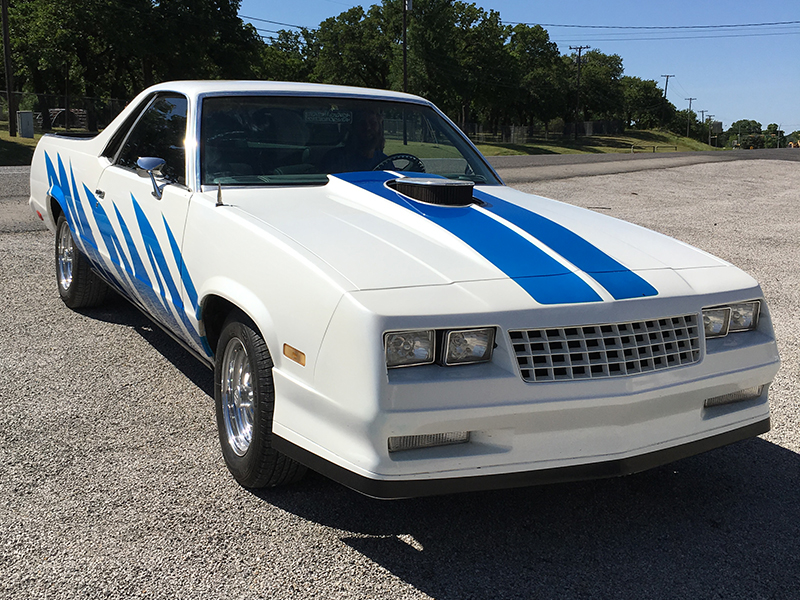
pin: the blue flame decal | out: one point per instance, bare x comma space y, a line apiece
130, 277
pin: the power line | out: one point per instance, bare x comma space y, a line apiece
657, 27
272, 22
265, 30
683, 37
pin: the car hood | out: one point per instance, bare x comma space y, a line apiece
378, 238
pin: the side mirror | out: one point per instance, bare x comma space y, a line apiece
150, 166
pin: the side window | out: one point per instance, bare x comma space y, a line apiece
120, 134
160, 132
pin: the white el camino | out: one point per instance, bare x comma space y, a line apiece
379, 307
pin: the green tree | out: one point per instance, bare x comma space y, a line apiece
774, 137
482, 59
679, 121
220, 44
432, 62
458, 57
745, 132
355, 49
601, 88
291, 56
540, 75
79, 48
98, 48
644, 104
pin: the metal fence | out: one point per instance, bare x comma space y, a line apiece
481, 133
54, 111
523, 134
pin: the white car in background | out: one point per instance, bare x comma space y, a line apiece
379, 307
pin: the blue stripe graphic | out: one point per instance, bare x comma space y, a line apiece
546, 280
620, 282
129, 277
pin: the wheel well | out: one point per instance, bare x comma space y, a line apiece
215, 311
55, 208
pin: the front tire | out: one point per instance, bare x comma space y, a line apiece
244, 395
78, 285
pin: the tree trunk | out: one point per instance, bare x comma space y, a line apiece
91, 112
147, 72
44, 107
43, 102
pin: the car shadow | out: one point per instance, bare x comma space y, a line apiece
723, 524
119, 311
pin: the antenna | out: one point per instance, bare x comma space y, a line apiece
219, 194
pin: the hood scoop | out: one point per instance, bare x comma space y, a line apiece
439, 191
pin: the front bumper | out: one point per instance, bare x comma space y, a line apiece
395, 489
520, 433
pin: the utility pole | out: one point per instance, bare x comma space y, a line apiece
66, 97
710, 121
666, 84
406, 8
12, 113
703, 120
664, 107
689, 115
578, 100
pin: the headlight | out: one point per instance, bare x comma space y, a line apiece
715, 321
744, 316
721, 320
407, 348
469, 346
447, 347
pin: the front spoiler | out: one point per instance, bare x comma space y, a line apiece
411, 488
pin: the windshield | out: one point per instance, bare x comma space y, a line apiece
268, 140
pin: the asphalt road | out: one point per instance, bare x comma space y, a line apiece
112, 484
546, 167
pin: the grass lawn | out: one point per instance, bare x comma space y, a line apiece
421, 149
642, 141
19, 151
15, 151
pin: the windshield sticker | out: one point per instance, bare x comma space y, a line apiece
328, 116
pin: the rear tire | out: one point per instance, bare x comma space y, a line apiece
244, 396
78, 285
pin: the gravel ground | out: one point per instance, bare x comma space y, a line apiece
112, 484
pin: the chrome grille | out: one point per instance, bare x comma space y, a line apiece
606, 350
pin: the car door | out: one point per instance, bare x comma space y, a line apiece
143, 232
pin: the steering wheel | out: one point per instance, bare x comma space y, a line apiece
412, 163
227, 136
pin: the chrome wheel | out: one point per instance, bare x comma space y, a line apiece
244, 401
238, 397
65, 253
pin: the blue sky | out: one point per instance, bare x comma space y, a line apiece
735, 73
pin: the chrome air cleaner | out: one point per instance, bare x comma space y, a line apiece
443, 192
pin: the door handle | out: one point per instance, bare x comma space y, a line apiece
100, 194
